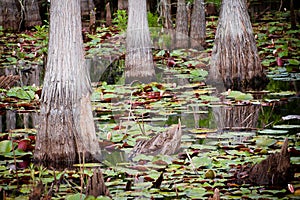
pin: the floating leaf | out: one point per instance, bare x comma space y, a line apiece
286, 126
294, 62
237, 95
265, 141
5, 146
88, 165
202, 161
209, 98
196, 192
272, 132
21, 93
77, 196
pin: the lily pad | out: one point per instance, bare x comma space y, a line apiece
287, 126
5, 146
272, 132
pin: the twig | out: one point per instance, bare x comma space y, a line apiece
190, 159
281, 2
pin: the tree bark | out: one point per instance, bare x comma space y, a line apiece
237, 117
234, 57
108, 15
96, 185
66, 128
9, 15
88, 15
31, 13
275, 170
165, 13
123, 4
138, 59
198, 26
181, 25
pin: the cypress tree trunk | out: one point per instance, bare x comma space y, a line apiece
181, 25
198, 26
234, 57
9, 15
138, 59
32, 13
66, 133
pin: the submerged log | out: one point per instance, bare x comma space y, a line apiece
275, 170
166, 143
7, 81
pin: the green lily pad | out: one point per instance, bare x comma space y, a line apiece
237, 95
209, 98
294, 62
287, 126
202, 162
272, 132
265, 141
88, 165
196, 192
5, 146
77, 196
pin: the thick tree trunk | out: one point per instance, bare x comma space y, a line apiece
198, 26
66, 128
31, 13
234, 56
9, 15
181, 25
138, 59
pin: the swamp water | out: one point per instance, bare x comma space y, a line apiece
220, 132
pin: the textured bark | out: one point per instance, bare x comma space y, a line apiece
7, 81
108, 15
182, 39
88, 15
96, 185
166, 143
66, 128
275, 170
237, 117
31, 13
9, 15
165, 13
198, 26
122, 4
235, 58
138, 59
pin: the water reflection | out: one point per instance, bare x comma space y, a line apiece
237, 117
